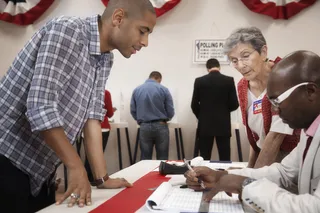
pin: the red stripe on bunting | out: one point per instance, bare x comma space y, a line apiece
159, 11
132, 199
277, 12
28, 17
166, 7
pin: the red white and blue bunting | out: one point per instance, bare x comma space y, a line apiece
160, 6
278, 9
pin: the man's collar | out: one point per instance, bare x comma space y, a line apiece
151, 80
214, 69
311, 131
94, 45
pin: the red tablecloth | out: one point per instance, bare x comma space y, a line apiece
131, 199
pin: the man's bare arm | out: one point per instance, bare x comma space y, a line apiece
95, 155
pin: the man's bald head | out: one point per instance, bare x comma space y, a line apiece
297, 67
132, 8
301, 104
125, 25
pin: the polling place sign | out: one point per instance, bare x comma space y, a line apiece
204, 49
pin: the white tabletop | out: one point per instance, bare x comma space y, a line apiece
99, 196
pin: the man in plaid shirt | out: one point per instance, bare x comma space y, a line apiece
55, 89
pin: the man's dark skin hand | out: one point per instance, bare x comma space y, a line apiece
215, 181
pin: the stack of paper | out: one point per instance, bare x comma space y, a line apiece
174, 199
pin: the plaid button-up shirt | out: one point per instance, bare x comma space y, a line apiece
57, 80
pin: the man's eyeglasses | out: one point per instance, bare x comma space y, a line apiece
277, 101
235, 61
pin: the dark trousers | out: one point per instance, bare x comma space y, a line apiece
15, 193
105, 136
223, 144
154, 134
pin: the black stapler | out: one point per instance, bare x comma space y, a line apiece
167, 169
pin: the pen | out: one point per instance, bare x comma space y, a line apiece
184, 187
190, 168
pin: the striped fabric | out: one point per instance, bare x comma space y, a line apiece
23, 12
160, 6
278, 9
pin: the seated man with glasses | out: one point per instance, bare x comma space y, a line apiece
292, 185
270, 139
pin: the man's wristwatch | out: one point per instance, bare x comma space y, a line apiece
246, 182
100, 181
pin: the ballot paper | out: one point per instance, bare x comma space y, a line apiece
224, 166
174, 199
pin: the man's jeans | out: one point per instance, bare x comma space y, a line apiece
154, 134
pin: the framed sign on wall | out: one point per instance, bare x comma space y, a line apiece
204, 49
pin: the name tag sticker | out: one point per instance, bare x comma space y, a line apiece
257, 106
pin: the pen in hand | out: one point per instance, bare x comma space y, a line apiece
190, 168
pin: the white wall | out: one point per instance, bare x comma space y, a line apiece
170, 52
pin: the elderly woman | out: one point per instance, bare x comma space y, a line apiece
270, 139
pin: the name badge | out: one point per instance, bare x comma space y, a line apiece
257, 106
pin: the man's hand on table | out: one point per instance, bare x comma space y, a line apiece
78, 184
79, 189
227, 183
114, 183
207, 175
215, 181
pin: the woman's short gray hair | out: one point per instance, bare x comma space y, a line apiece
247, 35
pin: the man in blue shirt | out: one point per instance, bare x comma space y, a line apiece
152, 106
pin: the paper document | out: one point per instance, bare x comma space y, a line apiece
175, 199
224, 165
